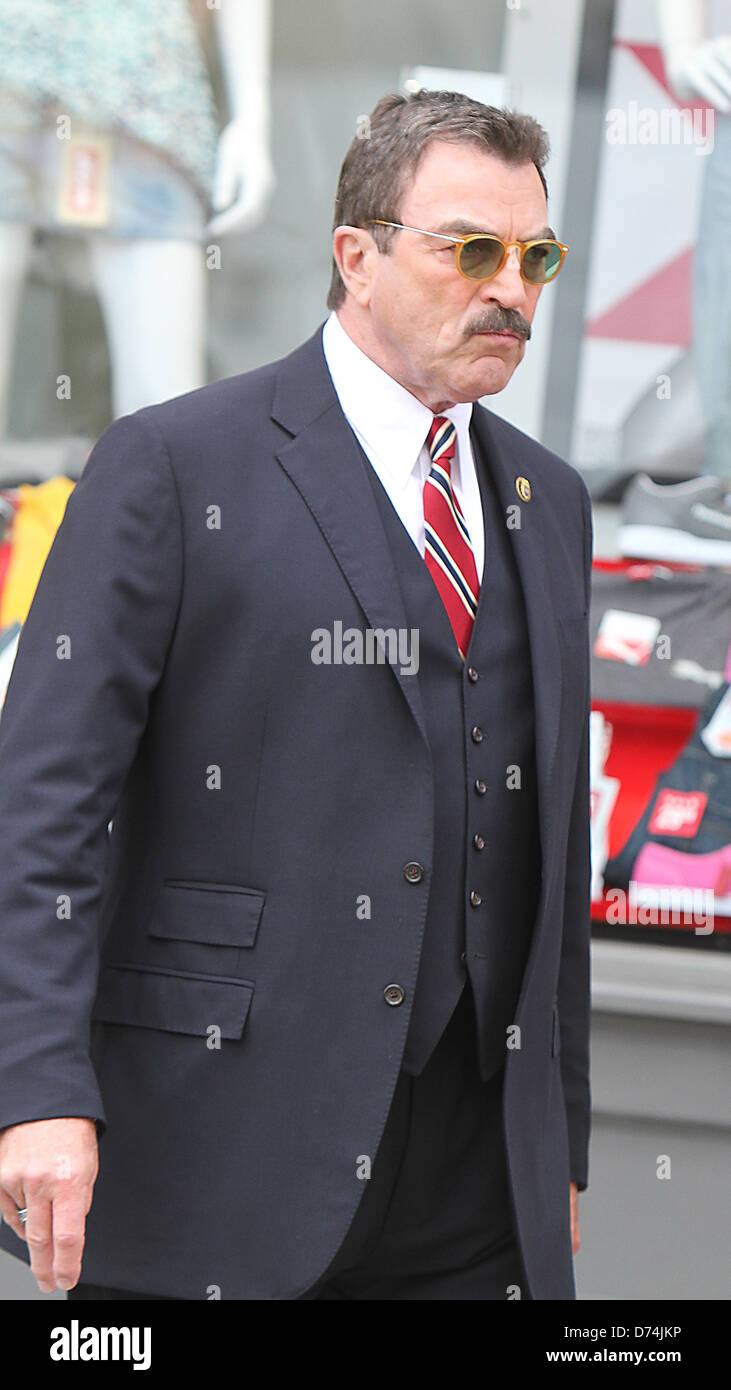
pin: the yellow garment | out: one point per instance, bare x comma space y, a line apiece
34, 526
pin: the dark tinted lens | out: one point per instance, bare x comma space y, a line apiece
480, 257
541, 261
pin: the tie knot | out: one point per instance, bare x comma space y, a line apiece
441, 439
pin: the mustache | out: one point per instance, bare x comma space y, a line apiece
499, 320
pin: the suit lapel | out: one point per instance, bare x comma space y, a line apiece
530, 549
323, 461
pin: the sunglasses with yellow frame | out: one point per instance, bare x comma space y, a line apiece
480, 256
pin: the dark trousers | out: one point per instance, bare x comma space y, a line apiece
434, 1221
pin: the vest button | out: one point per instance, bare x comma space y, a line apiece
463, 956
475, 899
478, 842
413, 872
477, 734
480, 787
473, 674
393, 994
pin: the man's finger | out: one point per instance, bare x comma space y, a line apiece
9, 1208
39, 1238
69, 1221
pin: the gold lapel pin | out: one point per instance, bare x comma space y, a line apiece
522, 487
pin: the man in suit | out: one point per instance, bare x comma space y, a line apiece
294, 802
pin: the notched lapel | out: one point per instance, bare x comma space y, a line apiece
324, 463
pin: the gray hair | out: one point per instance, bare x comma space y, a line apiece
385, 155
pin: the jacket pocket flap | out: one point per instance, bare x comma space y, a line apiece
176, 1003
214, 914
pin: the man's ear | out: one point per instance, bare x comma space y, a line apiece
355, 254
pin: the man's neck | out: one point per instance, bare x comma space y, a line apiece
358, 331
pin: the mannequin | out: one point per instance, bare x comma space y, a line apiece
696, 66
153, 288
700, 66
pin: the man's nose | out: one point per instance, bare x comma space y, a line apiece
508, 286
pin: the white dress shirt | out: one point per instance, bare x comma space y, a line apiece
392, 426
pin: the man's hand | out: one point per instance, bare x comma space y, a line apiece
575, 1237
50, 1167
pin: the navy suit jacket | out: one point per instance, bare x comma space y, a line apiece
199, 979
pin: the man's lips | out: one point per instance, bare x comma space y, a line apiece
499, 333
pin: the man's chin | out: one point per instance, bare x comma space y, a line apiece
491, 377
483, 376
494, 368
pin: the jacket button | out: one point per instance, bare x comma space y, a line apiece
478, 842
473, 674
413, 872
463, 956
477, 734
475, 899
393, 994
480, 787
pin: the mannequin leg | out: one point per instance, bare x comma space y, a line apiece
153, 296
15, 247
711, 306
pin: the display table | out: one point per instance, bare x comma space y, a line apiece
646, 740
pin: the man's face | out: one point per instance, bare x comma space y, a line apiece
416, 316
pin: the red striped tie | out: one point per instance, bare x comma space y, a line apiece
447, 551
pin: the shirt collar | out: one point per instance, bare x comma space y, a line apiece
391, 424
